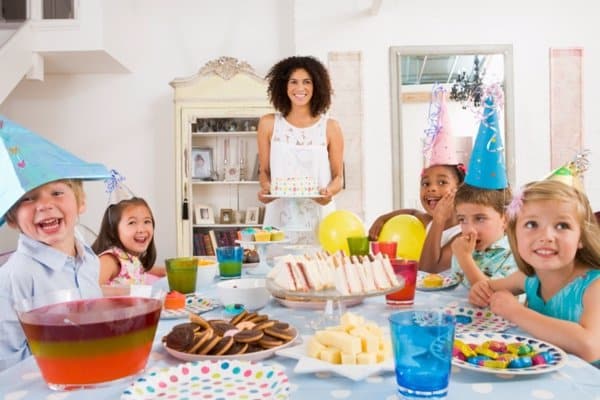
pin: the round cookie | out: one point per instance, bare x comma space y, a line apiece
220, 327
237, 348
209, 345
222, 346
196, 319
180, 339
284, 334
268, 342
248, 336
238, 318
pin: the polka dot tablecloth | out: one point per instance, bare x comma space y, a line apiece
211, 380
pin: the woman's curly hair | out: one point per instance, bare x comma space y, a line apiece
279, 75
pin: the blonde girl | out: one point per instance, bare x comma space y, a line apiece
556, 243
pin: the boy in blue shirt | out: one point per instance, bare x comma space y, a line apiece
49, 255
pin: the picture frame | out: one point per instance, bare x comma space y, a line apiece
203, 214
252, 216
201, 162
227, 216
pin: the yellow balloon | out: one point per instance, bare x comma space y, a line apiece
336, 227
408, 231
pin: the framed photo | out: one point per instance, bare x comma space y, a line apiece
252, 215
227, 216
203, 214
202, 160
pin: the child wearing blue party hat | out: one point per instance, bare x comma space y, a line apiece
482, 250
41, 195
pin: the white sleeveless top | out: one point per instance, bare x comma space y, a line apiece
299, 152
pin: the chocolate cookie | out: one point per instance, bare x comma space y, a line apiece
285, 334
196, 319
258, 318
237, 348
268, 342
220, 327
208, 345
222, 346
238, 318
248, 336
199, 339
264, 325
180, 339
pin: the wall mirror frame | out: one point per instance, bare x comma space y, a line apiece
404, 196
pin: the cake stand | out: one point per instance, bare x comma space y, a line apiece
334, 301
261, 248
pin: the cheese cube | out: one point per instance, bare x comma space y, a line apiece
341, 340
381, 356
348, 358
366, 358
351, 320
336, 328
374, 328
369, 343
314, 348
360, 331
330, 355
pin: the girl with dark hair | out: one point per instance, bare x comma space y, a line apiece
125, 244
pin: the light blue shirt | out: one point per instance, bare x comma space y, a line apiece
34, 269
495, 262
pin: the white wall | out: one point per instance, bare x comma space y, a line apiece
532, 27
126, 121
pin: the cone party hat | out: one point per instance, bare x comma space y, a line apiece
27, 161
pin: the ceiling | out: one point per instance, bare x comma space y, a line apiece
422, 70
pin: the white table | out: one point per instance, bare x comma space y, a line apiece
577, 379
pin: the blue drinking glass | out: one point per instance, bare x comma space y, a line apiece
422, 341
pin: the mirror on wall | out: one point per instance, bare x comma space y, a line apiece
414, 72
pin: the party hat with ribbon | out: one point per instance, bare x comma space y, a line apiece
439, 146
116, 189
572, 172
28, 161
486, 166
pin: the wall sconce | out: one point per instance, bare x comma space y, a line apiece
468, 89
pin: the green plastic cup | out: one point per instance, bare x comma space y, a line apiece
181, 274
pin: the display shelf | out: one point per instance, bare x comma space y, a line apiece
216, 118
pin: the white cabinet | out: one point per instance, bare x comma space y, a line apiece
216, 116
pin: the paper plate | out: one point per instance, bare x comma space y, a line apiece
450, 280
476, 319
255, 356
193, 304
211, 380
559, 357
308, 364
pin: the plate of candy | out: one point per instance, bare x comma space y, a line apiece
194, 304
505, 354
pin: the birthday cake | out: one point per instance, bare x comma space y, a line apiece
294, 186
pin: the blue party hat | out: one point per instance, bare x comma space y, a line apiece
28, 161
486, 166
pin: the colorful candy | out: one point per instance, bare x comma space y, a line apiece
496, 354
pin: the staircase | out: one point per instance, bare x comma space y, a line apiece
37, 47
16, 55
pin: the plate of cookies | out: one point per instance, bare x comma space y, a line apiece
430, 282
247, 336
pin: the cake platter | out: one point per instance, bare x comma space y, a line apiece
262, 268
293, 196
335, 301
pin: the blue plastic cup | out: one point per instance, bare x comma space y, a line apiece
422, 341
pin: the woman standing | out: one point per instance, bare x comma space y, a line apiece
299, 140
